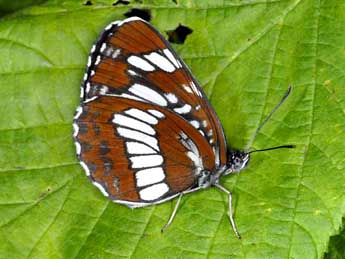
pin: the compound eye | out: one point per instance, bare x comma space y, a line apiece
237, 160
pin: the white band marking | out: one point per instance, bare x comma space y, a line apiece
171, 97
148, 94
195, 124
184, 109
187, 88
140, 63
103, 47
156, 113
129, 96
78, 147
135, 148
146, 161
78, 113
141, 137
133, 124
136, 113
154, 192
87, 171
76, 129
160, 61
171, 57
149, 176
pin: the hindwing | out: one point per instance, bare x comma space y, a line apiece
138, 153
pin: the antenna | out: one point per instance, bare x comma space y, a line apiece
271, 148
266, 119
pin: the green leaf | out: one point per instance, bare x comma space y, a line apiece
336, 249
244, 54
7, 6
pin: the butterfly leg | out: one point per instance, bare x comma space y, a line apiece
172, 216
222, 188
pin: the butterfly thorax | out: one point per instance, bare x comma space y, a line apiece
237, 161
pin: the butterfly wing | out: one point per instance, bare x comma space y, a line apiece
133, 60
138, 153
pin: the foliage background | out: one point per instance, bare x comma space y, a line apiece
244, 53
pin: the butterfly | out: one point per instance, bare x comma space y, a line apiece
145, 132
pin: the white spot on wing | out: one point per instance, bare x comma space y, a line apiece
154, 192
156, 113
88, 86
132, 73
141, 137
160, 61
116, 53
196, 90
144, 116
148, 94
193, 152
77, 147
139, 148
216, 153
91, 99
171, 97
129, 96
171, 57
109, 26
98, 60
130, 19
195, 124
193, 147
108, 51
79, 111
187, 88
183, 135
103, 47
86, 169
184, 109
194, 158
140, 63
104, 89
146, 161
149, 176
133, 124
76, 129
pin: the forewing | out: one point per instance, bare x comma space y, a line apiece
133, 60
138, 153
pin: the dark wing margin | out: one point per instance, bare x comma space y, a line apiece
133, 60
137, 153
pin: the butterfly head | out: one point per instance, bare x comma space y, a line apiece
237, 161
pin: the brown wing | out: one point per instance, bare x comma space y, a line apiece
138, 153
133, 60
